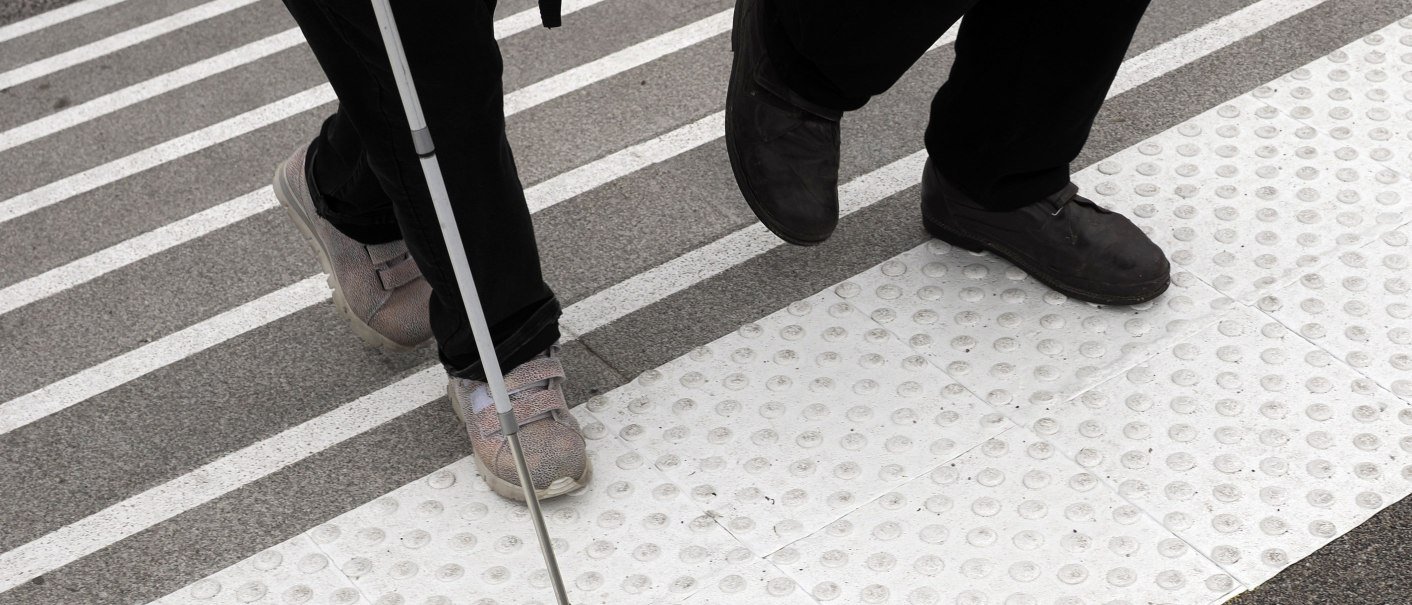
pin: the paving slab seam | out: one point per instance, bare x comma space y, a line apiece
1335, 125
1027, 426
1253, 306
1264, 95
1235, 306
1232, 572
1243, 305
874, 499
1263, 306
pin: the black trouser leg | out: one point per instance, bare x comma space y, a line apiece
840, 53
346, 192
1028, 80
364, 164
1029, 77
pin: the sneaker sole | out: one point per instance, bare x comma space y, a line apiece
946, 234
364, 331
505, 489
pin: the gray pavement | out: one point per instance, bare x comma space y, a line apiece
81, 460
14, 10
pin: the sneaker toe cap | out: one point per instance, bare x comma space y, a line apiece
403, 317
553, 450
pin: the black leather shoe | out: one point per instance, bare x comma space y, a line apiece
783, 149
1065, 241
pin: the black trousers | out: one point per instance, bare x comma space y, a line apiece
1028, 79
368, 181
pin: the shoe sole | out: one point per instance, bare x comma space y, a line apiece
505, 489
948, 235
745, 190
364, 331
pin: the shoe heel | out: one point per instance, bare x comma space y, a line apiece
950, 237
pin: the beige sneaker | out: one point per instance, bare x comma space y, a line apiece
378, 288
554, 449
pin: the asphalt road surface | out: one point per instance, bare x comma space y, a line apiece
185, 418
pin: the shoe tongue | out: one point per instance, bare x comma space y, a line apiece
481, 399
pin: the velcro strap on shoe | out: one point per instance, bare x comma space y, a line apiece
528, 408
399, 275
532, 371
388, 252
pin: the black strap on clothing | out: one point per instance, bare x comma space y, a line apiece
549, 12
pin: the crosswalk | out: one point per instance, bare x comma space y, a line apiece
136, 445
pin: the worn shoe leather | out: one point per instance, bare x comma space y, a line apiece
784, 150
1065, 241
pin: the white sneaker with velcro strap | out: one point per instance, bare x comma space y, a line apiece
554, 448
378, 288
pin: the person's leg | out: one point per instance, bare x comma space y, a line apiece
344, 188
456, 64
456, 67
840, 53
1028, 79
348, 220
798, 65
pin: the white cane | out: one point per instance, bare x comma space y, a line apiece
421, 140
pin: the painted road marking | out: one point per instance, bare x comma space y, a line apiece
53, 17
121, 520
540, 92
206, 68
118, 41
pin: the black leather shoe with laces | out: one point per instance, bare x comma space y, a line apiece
783, 149
1064, 240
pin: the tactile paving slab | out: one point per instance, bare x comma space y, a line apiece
1247, 441
1358, 308
793, 421
749, 582
1008, 338
1248, 198
1360, 95
631, 536
293, 572
1010, 522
